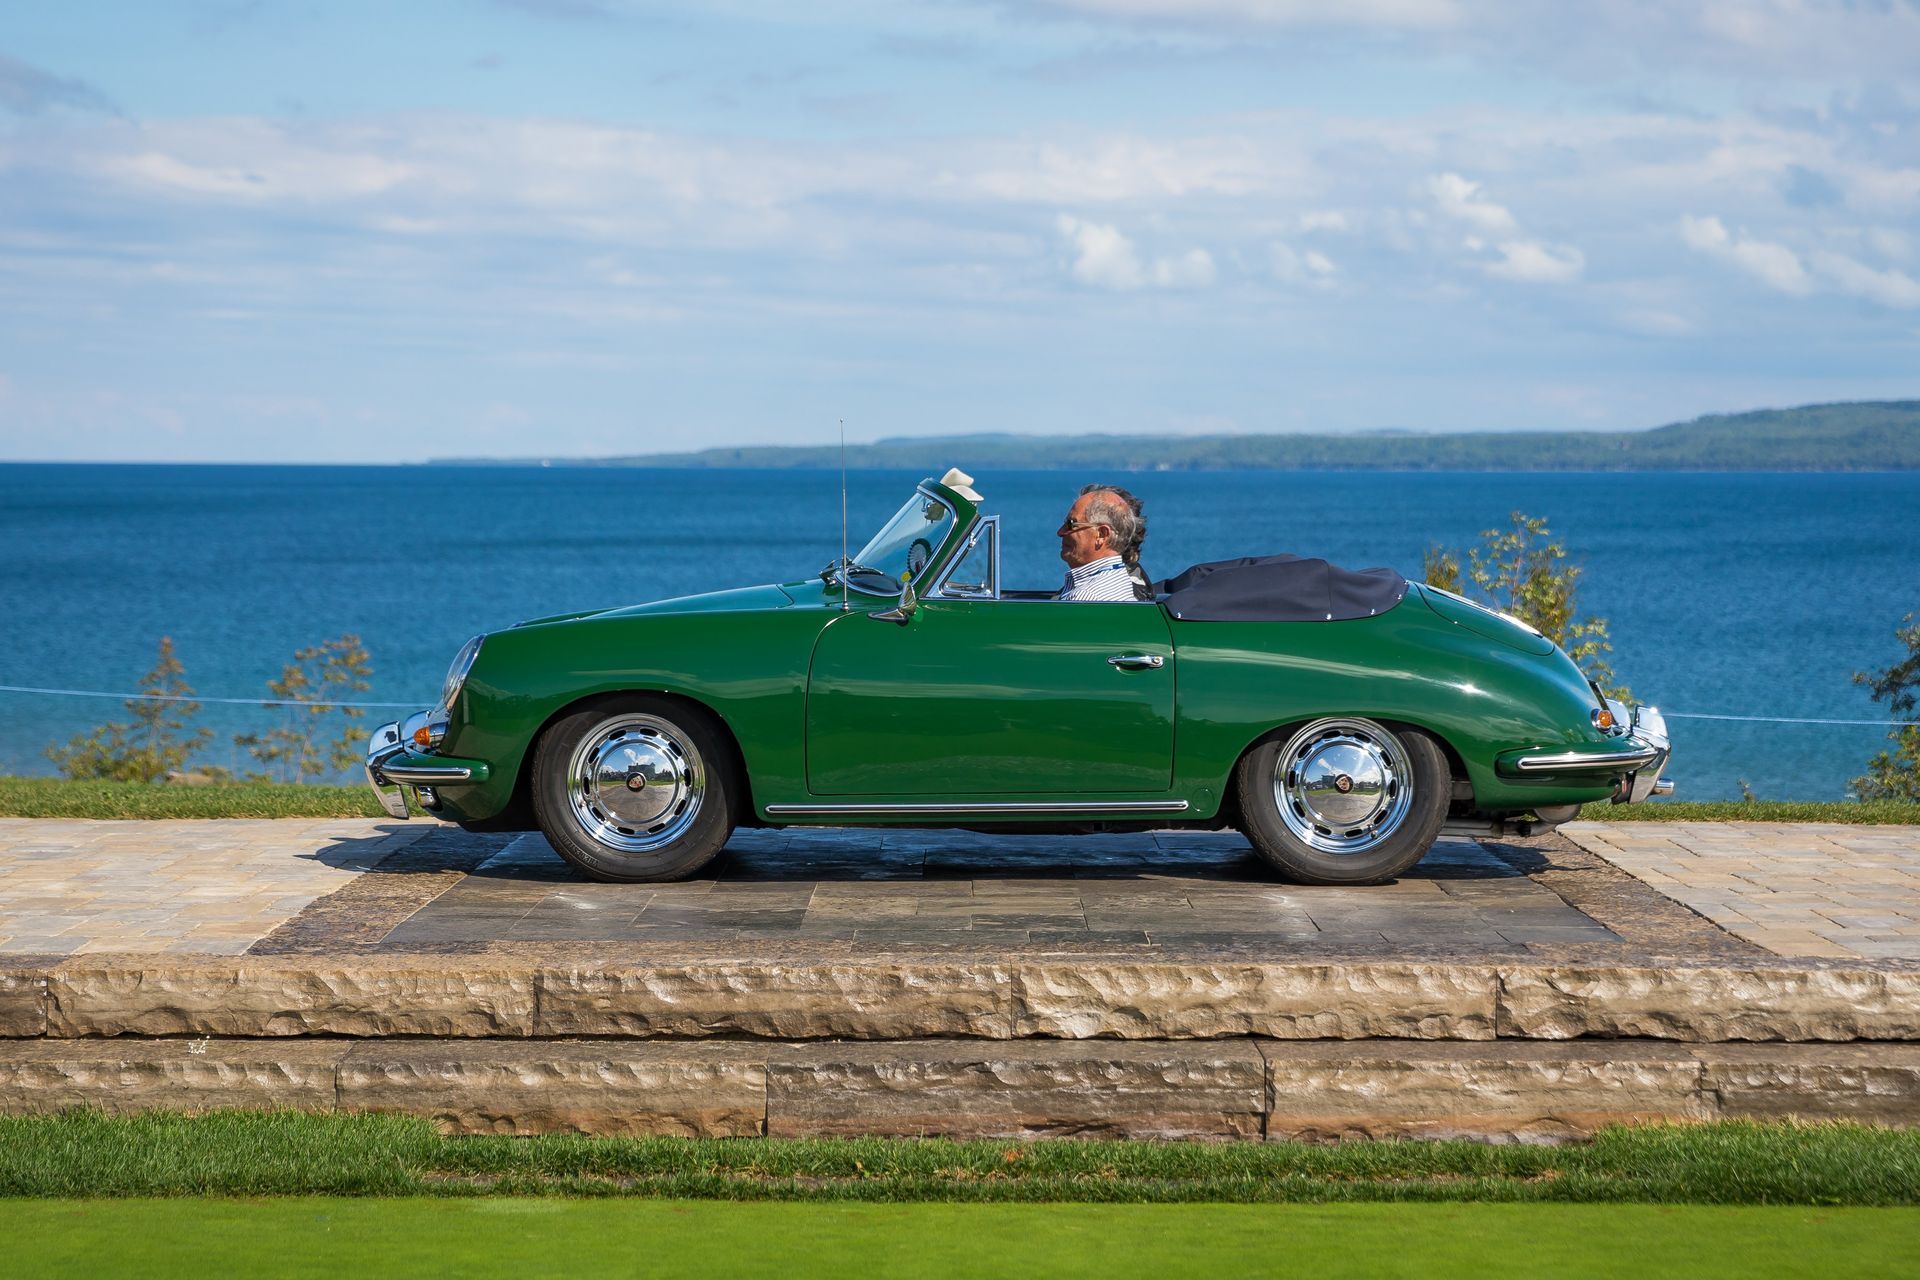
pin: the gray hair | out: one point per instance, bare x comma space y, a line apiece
1121, 512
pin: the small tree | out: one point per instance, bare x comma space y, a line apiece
1521, 572
154, 744
306, 745
1895, 774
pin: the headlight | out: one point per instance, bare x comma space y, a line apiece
457, 673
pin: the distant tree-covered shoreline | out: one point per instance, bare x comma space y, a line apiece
1865, 436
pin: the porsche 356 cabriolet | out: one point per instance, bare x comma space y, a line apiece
1343, 720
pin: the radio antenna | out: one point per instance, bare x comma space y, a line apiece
845, 564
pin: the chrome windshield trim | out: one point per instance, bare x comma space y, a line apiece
996, 807
1582, 761
933, 564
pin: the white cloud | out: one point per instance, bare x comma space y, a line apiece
1774, 264
1296, 267
1493, 227
1530, 262
1890, 243
1190, 270
1102, 257
1324, 220
1889, 288
1106, 259
1783, 269
1461, 199
253, 161
1656, 323
1112, 169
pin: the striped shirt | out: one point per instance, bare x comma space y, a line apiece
1103, 579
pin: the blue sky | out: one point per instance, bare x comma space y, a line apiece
371, 232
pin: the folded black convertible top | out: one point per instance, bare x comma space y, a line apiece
1279, 589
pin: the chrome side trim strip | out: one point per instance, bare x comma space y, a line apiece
1581, 761
428, 773
992, 807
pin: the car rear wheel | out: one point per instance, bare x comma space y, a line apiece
1344, 800
634, 789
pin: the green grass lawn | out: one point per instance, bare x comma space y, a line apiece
1876, 812
87, 1153
59, 798
581, 1238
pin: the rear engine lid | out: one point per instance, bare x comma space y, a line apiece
1503, 627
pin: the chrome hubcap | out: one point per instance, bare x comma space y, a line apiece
635, 783
1343, 786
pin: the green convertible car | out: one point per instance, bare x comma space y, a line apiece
1343, 720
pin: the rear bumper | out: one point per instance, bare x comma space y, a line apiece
1649, 728
1638, 758
392, 769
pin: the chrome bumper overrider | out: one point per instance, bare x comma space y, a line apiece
381, 747
1649, 728
395, 762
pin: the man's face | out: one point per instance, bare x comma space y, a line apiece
1081, 542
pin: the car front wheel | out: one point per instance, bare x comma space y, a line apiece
634, 789
1344, 800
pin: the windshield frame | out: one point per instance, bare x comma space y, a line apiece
937, 562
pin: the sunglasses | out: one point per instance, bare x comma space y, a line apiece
1075, 526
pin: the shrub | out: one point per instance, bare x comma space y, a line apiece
1895, 774
1520, 571
308, 745
155, 743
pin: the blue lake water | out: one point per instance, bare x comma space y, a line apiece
1732, 594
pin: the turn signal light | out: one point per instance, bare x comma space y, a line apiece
1602, 719
422, 737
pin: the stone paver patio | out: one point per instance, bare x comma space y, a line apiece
1797, 889
198, 887
1595, 891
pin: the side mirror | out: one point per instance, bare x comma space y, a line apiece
902, 612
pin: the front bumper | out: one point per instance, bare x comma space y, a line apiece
392, 768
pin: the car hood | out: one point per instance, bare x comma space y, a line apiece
737, 600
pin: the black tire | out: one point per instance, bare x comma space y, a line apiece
635, 788
1344, 800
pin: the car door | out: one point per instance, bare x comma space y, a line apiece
993, 697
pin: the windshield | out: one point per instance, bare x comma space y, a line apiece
903, 548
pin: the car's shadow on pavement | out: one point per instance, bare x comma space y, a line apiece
889, 890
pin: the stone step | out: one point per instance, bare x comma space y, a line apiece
1240, 1088
909, 998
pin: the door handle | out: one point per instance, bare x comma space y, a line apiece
1136, 661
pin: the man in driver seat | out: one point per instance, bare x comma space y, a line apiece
1100, 541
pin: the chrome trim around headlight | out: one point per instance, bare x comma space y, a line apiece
457, 673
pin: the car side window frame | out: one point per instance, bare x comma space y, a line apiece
987, 527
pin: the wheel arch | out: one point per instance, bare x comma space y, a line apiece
1456, 764
745, 813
